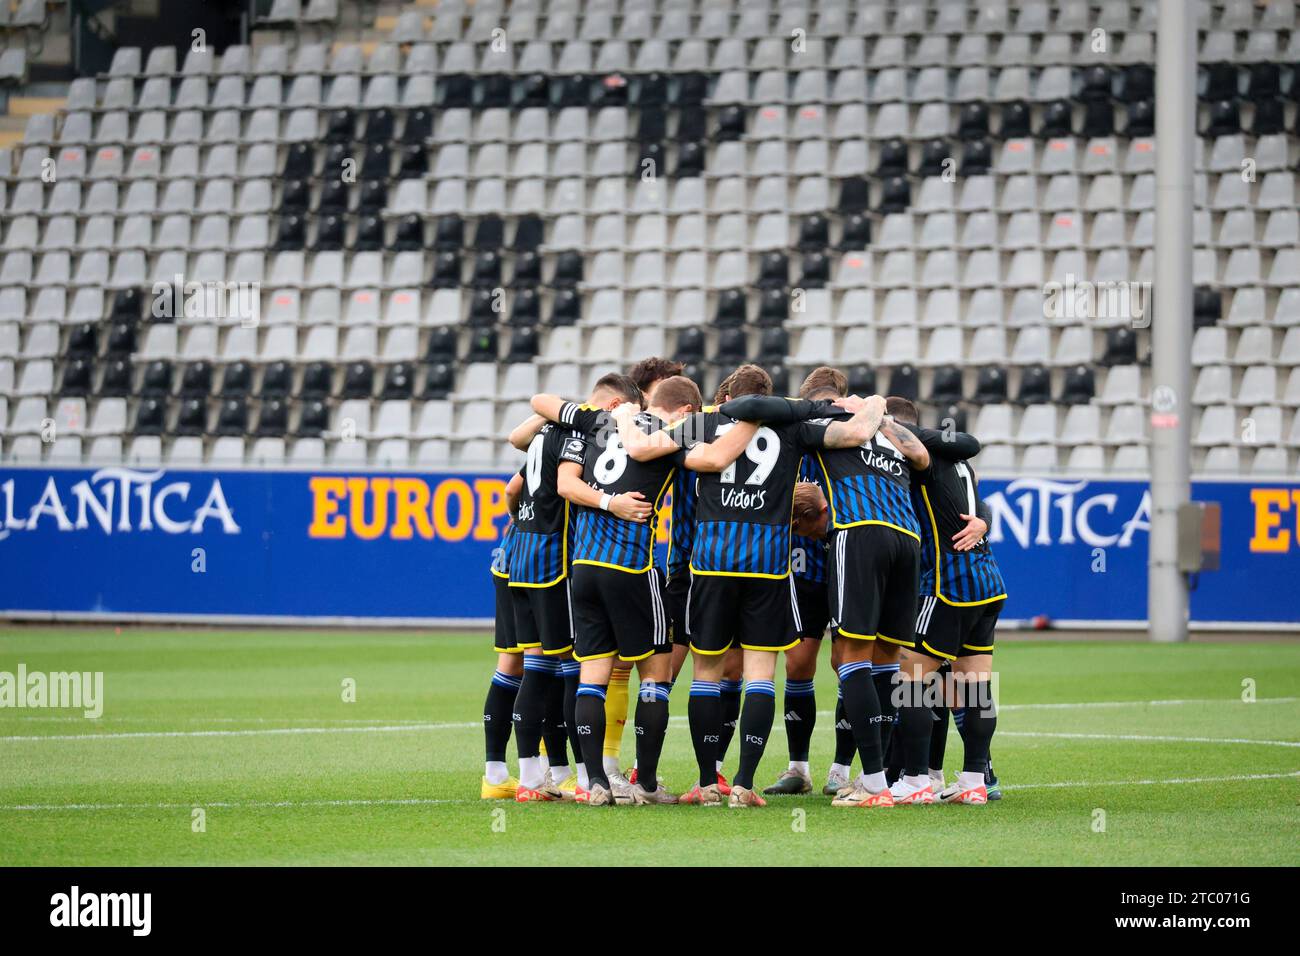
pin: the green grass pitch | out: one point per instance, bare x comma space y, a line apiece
1122, 754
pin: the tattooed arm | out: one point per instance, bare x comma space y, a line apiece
861, 428
907, 443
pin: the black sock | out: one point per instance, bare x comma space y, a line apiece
498, 711
651, 727
729, 694
885, 677
704, 711
863, 710
800, 717
569, 674
845, 745
589, 714
554, 731
530, 705
894, 759
755, 727
980, 721
913, 729
938, 737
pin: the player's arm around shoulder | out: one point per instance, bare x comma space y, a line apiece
861, 428
630, 505
718, 454
522, 435
908, 444
639, 444
514, 488
946, 444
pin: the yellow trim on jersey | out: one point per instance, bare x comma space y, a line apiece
740, 574
562, 650
639, 657
613, 567
1000, 597
696, 650
969, 647
548, 584
668, 558
938, 584
887, 524
835, 521
500, 574
894, 640
947, 657
564, 555
595, 657
774, 650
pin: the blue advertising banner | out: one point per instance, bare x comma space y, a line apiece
376, 546
1077, 549
249, 543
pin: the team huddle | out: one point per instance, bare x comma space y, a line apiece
788, 516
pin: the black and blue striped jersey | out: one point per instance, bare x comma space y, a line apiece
868, 484
808, 555
742, 514
681, 522
600, 537
501, 553
539, 555
942, 493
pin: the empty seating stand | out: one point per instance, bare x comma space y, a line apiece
952, 198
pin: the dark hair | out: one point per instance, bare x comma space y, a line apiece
653, 369
746, 380
824, 382
621, 385
674, 392
903, 409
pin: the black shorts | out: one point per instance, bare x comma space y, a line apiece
618, 612
947, 632
675, 592
759, 614
874, 583
814, 608
542, 617
503, 635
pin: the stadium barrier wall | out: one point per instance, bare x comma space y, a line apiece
265, 546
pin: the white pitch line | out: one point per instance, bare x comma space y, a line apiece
238, 805
396, 727
343, 721
420, 802
1099, 704
263, 732
1150, 783
1150, 737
